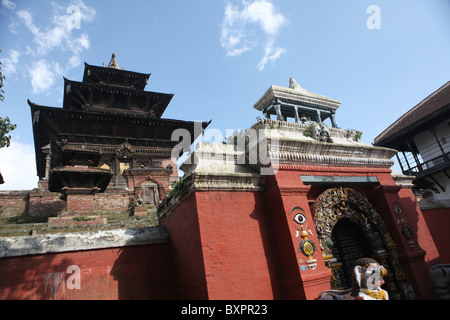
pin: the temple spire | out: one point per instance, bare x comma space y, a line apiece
113, 62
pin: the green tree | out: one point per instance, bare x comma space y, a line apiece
5, 124
2, 97
5, 127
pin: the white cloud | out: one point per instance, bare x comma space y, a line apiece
9, 4
234, 38
28, 20
237, 38
18, 166
60, 35
9, 63
271, 54
43, 75
63, 35
264, 13
73, 62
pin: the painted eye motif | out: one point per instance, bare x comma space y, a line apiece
299, 218
397, 208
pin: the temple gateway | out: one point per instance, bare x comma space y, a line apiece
289, 209
286, 210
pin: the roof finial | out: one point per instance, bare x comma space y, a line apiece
113, 62
294, 85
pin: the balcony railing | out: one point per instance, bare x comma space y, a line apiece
424, 166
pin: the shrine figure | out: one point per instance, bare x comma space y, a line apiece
440, 274
366, 283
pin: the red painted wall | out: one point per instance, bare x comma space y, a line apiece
438, 221
133, 272
291, 193
186, 248
229, 245
236, 245
221, 246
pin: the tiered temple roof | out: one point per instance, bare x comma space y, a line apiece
107, 116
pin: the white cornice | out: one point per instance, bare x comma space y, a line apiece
277, 92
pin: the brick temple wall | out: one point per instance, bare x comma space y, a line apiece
13, 203
45, 203
111, 201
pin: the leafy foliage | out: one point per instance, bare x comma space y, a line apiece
5, 124
2, 97
5, 127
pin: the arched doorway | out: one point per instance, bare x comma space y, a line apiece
348, 226
350, 244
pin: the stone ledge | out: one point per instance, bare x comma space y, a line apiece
72, 221
78, 241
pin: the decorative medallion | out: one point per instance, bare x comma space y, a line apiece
307, 247
401, 220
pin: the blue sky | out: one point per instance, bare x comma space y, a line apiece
219, 57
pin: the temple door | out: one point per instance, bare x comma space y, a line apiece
350, 244
348, 228
150, 193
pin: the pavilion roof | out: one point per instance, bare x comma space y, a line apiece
434, 108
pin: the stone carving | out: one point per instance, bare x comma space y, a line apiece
322, 133
366, 283
440, 274
337, 203
294, 85
125, 150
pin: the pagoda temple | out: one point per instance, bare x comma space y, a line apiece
109, 134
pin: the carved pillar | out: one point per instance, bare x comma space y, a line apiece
47, 166
319, 119
277, 106
333, 119
297, 118
47, 150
